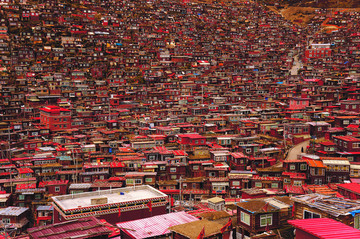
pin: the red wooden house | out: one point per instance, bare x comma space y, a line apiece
190, 141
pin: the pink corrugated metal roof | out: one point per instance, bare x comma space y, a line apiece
326, 228
155, 226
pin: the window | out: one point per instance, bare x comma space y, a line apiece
265, 220
37, 196
245, 218
274, 185
292, 166
297, 183
6, 220
138, 181
303, 167
287, 180
196, 167
173, 177
308, 215
148, 180
129, 181
236, 183
162, 168
258, 184
357, 221
21, 197
172, 170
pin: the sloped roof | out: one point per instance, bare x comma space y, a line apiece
90, 227
155, 226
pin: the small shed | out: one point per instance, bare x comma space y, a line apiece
216, 203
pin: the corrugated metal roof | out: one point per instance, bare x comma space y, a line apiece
80, 229
155, 226
336, 162
326, 228
13, 211
315, 163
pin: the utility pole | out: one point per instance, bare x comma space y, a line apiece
9, 155
180, 181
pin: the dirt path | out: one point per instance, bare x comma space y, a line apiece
296, 150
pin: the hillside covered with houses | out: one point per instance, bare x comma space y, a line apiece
181, 119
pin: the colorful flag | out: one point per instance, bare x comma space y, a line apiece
172, 201
202, 234
228, 225
149, 204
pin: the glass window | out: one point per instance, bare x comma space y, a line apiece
258, 184
236, 183
303, 166
274, 185
357, 221
266, 220
308, 215
297, 183
57, 189
6, 220
21, 197
245, 218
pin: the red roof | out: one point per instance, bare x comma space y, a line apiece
325, 228
347, 138
328, 143
25, 170
25, 186
315, 163
53, 108
353, 187
117, 164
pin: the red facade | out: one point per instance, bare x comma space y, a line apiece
55, 118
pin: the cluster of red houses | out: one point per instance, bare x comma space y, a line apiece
113, 111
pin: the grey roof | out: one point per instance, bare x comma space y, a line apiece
13, 211
80, 185
45, 208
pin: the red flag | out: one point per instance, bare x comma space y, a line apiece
149, 204
202, 234
172, 201
226, 226
119, 212
265, 208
